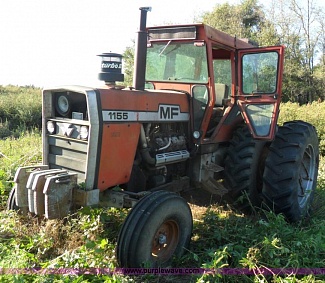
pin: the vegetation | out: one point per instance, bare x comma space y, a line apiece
20, 109
86, 240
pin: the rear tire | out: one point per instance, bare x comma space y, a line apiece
156, 229
244, 170
290, 174
11, 202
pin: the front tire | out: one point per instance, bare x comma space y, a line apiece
156, 229
290, 174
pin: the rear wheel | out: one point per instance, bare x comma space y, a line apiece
11, 202
244, 167
290, 175
156, 229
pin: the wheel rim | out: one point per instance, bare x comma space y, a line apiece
306, 176
165, 241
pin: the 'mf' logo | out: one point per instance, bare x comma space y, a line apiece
168, 112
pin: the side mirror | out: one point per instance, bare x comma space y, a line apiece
200, 98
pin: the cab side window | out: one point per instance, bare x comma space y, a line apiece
222, 72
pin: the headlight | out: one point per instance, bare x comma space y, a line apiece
50, 126
196, 134
84, 131
62, 105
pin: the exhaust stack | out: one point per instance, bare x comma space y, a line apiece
141, 51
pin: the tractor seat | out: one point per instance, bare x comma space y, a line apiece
221, 98
221, 94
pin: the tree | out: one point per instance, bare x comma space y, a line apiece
319, 70
246, 20
226, 18
128, 60
300, 29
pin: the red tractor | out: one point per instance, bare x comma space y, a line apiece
202, 113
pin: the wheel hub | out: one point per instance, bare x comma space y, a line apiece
165, 241
162, 239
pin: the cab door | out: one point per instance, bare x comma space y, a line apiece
259, 86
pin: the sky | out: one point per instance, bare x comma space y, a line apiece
55, 42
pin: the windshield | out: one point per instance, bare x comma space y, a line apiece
174, 61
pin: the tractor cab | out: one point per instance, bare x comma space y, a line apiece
227, 79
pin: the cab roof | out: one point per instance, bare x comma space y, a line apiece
198, 32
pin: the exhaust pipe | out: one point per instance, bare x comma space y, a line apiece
140, 53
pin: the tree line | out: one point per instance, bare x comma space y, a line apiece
298, 25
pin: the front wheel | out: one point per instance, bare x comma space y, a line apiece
291, 169
156, 229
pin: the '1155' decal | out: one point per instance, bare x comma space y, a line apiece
115, 115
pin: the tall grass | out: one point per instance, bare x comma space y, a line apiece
16, 152
20, 109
